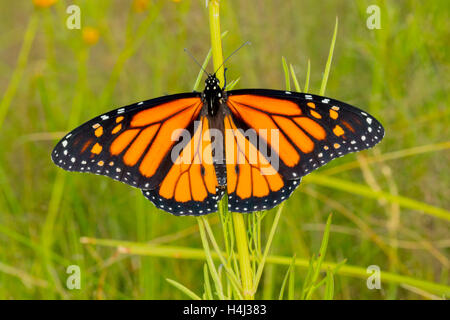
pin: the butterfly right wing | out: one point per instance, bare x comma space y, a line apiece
131, 144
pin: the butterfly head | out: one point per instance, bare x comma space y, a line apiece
212, 94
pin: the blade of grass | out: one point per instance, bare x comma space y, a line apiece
291, 288
268, 245
232, 84
173, 252
286, 74
22, 62
27, 279
308, 72
329, 288
229, 271
209, 259
183, 289
330, 58
208, 291
286, 277
351, 187
320, 258
294, 78
390, 156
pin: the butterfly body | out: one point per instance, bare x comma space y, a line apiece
213, 96
185, 151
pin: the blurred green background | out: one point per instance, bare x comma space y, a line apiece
53, 79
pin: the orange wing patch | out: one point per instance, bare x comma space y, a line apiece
301, 140
295, 131
338, 131
192, 177
263, 124
167, 135
99, 131
163, 111
311, 127
270, 105
247, 178
138, 147
97, 148
122, 141
149, 139
117, 128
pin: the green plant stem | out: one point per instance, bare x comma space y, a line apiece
238, 219
240, 233
216, 41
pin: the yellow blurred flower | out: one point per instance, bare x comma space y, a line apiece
140, 5
176, 0
90, 35
44, 3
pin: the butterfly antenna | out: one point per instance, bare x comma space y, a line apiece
195, 60
232, 54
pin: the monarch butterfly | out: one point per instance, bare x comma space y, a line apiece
139, 146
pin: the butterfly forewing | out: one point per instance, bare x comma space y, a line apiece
130, 144
312, 130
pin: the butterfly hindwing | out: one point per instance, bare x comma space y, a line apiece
253, 183
191, 186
